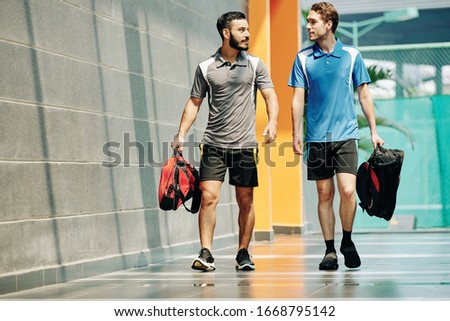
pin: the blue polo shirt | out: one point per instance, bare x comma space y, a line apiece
329, 81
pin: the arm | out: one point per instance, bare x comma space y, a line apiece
270, 97
190, 113
365, 99
298, 109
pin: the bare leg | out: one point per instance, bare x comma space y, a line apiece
347, 210
347, 207
244, 197
207, 214
325, 190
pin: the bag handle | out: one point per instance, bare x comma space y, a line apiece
176, 152
379, 150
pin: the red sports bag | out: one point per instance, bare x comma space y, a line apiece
178, 183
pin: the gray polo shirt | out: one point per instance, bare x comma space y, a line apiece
231, 98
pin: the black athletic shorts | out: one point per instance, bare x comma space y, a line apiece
241, 165
326, 159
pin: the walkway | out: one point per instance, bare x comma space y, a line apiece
400, 266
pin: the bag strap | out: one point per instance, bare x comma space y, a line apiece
185, 171
181, 197
178, 152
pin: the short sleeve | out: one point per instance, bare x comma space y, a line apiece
297, 77
360, 75
262, 76
200, 86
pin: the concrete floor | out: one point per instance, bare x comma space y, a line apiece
395, 266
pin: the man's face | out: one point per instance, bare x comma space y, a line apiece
316, 27
239, 34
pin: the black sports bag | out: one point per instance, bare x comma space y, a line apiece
377, 182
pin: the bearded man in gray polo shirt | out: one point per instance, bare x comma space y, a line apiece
230, 78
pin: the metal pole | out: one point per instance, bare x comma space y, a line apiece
355, 33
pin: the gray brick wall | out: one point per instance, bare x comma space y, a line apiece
75, 75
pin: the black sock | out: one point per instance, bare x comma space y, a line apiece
351, 257
347, 239
330, 246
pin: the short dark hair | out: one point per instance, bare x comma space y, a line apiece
328, 12
224, 20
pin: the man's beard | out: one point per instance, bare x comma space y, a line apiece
235, 44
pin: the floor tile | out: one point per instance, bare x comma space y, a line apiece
395, 266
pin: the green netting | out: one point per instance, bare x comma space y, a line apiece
417, 70
414, 96
424, 186
441, 110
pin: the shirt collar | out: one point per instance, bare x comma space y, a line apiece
337, 51
241, 60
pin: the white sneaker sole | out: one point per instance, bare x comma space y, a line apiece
202, 265
245, 267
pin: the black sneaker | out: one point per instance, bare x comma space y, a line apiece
351, 257
204, 262
329, 262
244, 262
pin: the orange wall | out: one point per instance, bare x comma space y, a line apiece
286, 177
259, 23
274, 28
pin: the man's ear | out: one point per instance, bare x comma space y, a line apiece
329, 24
226, 33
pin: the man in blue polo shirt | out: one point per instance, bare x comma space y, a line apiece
327, 73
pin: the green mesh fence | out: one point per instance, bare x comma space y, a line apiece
416, 70
416, 97
441, 110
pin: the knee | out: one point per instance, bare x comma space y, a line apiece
348, 194
244, 201
245, 206
325, 195
209, 199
